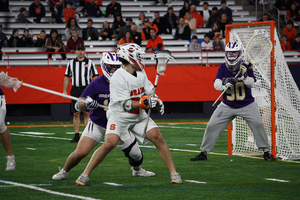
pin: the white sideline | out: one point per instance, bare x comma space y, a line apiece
47, 191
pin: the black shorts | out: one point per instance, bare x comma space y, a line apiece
75, 92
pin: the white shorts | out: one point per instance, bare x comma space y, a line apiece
97, 132
121, 126
2, 113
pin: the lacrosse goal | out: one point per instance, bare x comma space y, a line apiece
276, 94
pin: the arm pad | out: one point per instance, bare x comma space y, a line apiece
127, 105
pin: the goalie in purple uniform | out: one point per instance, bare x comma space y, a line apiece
237, 101
97, 92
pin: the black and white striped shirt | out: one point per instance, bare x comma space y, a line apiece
81, 72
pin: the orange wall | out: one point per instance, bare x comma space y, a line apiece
180, 83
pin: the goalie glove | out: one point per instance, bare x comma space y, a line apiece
148, 102
91, 104
229, 82
160, 107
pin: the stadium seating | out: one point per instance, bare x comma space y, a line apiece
95, 48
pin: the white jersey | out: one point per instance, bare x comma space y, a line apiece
124, 86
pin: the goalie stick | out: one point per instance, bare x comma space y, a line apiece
14, 83
162, 58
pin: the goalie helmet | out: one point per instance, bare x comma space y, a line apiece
132, 53
232, 62
108, 62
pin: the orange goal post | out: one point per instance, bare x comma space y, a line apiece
276, 94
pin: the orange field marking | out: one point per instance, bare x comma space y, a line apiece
60, 125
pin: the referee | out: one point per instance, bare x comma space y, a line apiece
81, 70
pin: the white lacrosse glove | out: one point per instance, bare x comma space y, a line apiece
244, 69
148, 102
230, 82
91, 104
160, 107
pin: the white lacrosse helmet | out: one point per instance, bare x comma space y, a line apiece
233, 62
112, 60
133, 53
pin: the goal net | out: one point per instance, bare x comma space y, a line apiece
277, 96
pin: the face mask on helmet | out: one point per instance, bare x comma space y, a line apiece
133, 53
233, 55
109, 64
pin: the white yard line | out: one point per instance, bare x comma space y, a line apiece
36, 136
193, 181
47, 191
278, 180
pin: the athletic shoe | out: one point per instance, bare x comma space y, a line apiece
175, 178
142, 172
201, 156
82, 179
268, 157
75, 139
61, 175
11, 164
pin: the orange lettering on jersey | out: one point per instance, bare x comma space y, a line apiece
137, 91
112, 127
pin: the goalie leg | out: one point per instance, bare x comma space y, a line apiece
135, 157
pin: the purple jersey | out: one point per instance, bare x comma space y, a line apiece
98, 90
240, 96
1, 91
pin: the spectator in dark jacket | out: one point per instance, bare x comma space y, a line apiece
37, 9
118, 24
183, 31
125, 28
136, 36
205, 12
214, 17
14, 40
185, 8
22, 16
73, 41
113, 8
4, 5
90, 32
58, 4
171, 17
282, 4
27, 39
107, 33
91, 9
225, 10
164, 27
55, 18
41, 39
296, 43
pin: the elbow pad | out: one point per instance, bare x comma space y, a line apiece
127, 105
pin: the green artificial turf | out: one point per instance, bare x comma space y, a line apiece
220, 177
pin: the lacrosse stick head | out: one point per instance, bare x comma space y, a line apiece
9, 82
162, 57
109, 64
233, 55
133, 54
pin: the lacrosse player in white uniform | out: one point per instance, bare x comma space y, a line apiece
237, 101
97, 92
130, 92
5, 135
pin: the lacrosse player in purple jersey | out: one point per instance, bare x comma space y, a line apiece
237, 101
97, 92
5, 135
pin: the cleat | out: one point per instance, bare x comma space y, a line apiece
11, 164
201, 156
176, 179
268, 157
142, 172
82, 179
61, 175
75, 139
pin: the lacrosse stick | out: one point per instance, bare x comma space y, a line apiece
162, 58
14, 83
258, 48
